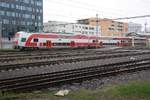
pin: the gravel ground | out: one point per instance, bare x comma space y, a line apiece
63, 67
106, 81
91, 84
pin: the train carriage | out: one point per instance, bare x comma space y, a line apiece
140, 42
24, 40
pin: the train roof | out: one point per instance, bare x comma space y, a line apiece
72, 34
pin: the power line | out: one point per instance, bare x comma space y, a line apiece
77, 6
122, 18
65, 16
134, 17
55, 13
72, 5
87, 4
58, 14
62, 16
69, 14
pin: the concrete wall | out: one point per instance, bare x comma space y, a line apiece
6, 44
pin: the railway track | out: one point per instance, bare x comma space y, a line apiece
46, 69
51, 56
41, 81
39, 63
29, 54
38, 52
41, 50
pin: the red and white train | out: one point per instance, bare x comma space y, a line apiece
24, 40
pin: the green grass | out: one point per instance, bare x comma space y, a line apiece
5, 50
132, 91
83, 95
135, 89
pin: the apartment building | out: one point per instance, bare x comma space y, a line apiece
108, 27
72, 28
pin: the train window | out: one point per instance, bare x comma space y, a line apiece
44, 44
23, 39
35, 40
59, 44
94, 41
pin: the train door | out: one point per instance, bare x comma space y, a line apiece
72, 44
48, 44
122, 43
101, 44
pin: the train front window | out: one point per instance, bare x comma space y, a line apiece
23, 39
36, 40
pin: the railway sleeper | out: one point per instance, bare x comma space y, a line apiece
68, 77
18, 66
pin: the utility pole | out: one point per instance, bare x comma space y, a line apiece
97, 24
1, 27
133, 42
145, 27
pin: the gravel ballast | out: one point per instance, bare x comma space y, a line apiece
106, 81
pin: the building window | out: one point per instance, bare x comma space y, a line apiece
112, 25
120, 26
86, 28
5, 21
91, 28
3, 4
120, 30
111, 29
2, 12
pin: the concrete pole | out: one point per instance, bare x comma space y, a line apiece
147, 43
1, 33
97, 30
133, 42
145, 27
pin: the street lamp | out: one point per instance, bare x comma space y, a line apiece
1, 23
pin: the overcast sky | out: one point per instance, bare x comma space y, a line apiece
71, 10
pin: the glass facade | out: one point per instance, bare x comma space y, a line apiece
20, 15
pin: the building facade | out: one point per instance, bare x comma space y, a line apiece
64, 27
134, 27
54, 26
147, 30
20, 15
108, 26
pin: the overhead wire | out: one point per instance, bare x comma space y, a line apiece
81, 7
134, 17
61, 3
91, 5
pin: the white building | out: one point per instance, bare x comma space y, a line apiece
148, 30
63, 27
134, 27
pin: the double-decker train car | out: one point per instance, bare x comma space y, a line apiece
24, 40
140, 42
